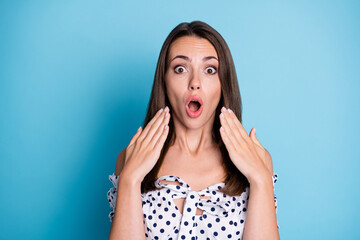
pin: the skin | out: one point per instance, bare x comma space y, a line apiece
193, 76
194, 150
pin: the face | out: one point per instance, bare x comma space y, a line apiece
192, 74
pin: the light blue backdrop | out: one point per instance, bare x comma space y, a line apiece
75, 79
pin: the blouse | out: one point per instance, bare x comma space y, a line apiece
223, 216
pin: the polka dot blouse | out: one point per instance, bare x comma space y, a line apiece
223, 216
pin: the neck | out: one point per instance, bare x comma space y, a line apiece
193, 140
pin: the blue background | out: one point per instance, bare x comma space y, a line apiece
75, 80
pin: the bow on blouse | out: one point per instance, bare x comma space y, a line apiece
216, 206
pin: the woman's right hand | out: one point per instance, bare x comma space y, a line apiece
144, 149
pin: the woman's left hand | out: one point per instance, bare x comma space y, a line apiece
245, 151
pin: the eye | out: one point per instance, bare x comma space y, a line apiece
210, 70
180, 69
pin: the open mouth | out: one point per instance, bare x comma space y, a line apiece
194, 106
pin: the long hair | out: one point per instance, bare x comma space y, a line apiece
235, 182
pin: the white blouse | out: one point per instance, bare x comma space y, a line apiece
223, 216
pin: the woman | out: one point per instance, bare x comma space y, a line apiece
188, 173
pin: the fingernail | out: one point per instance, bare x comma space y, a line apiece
224, 109
160, 111
166, 114
166, 109
222, 115
230, 111
222, 129
138, 129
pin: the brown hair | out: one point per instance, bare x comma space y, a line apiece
235, 182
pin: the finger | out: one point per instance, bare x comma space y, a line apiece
229, 124
160, 130
237, 123
155, 125
148, 126
135, 137
254, 138
225, 137
160, 143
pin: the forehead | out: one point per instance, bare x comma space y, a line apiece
191, 46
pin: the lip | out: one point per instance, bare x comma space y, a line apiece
199, 111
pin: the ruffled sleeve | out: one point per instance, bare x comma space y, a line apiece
275, 178
112, 194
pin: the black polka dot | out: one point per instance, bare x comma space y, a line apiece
159, 208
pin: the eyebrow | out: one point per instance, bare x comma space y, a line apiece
189, 60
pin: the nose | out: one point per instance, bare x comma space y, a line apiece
194, 83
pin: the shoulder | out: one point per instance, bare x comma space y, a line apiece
120, 162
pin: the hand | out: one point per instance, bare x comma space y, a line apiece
145, 147
246, 152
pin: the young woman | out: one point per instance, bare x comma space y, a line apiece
189, 173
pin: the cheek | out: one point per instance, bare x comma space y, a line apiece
216, 91
173, 92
